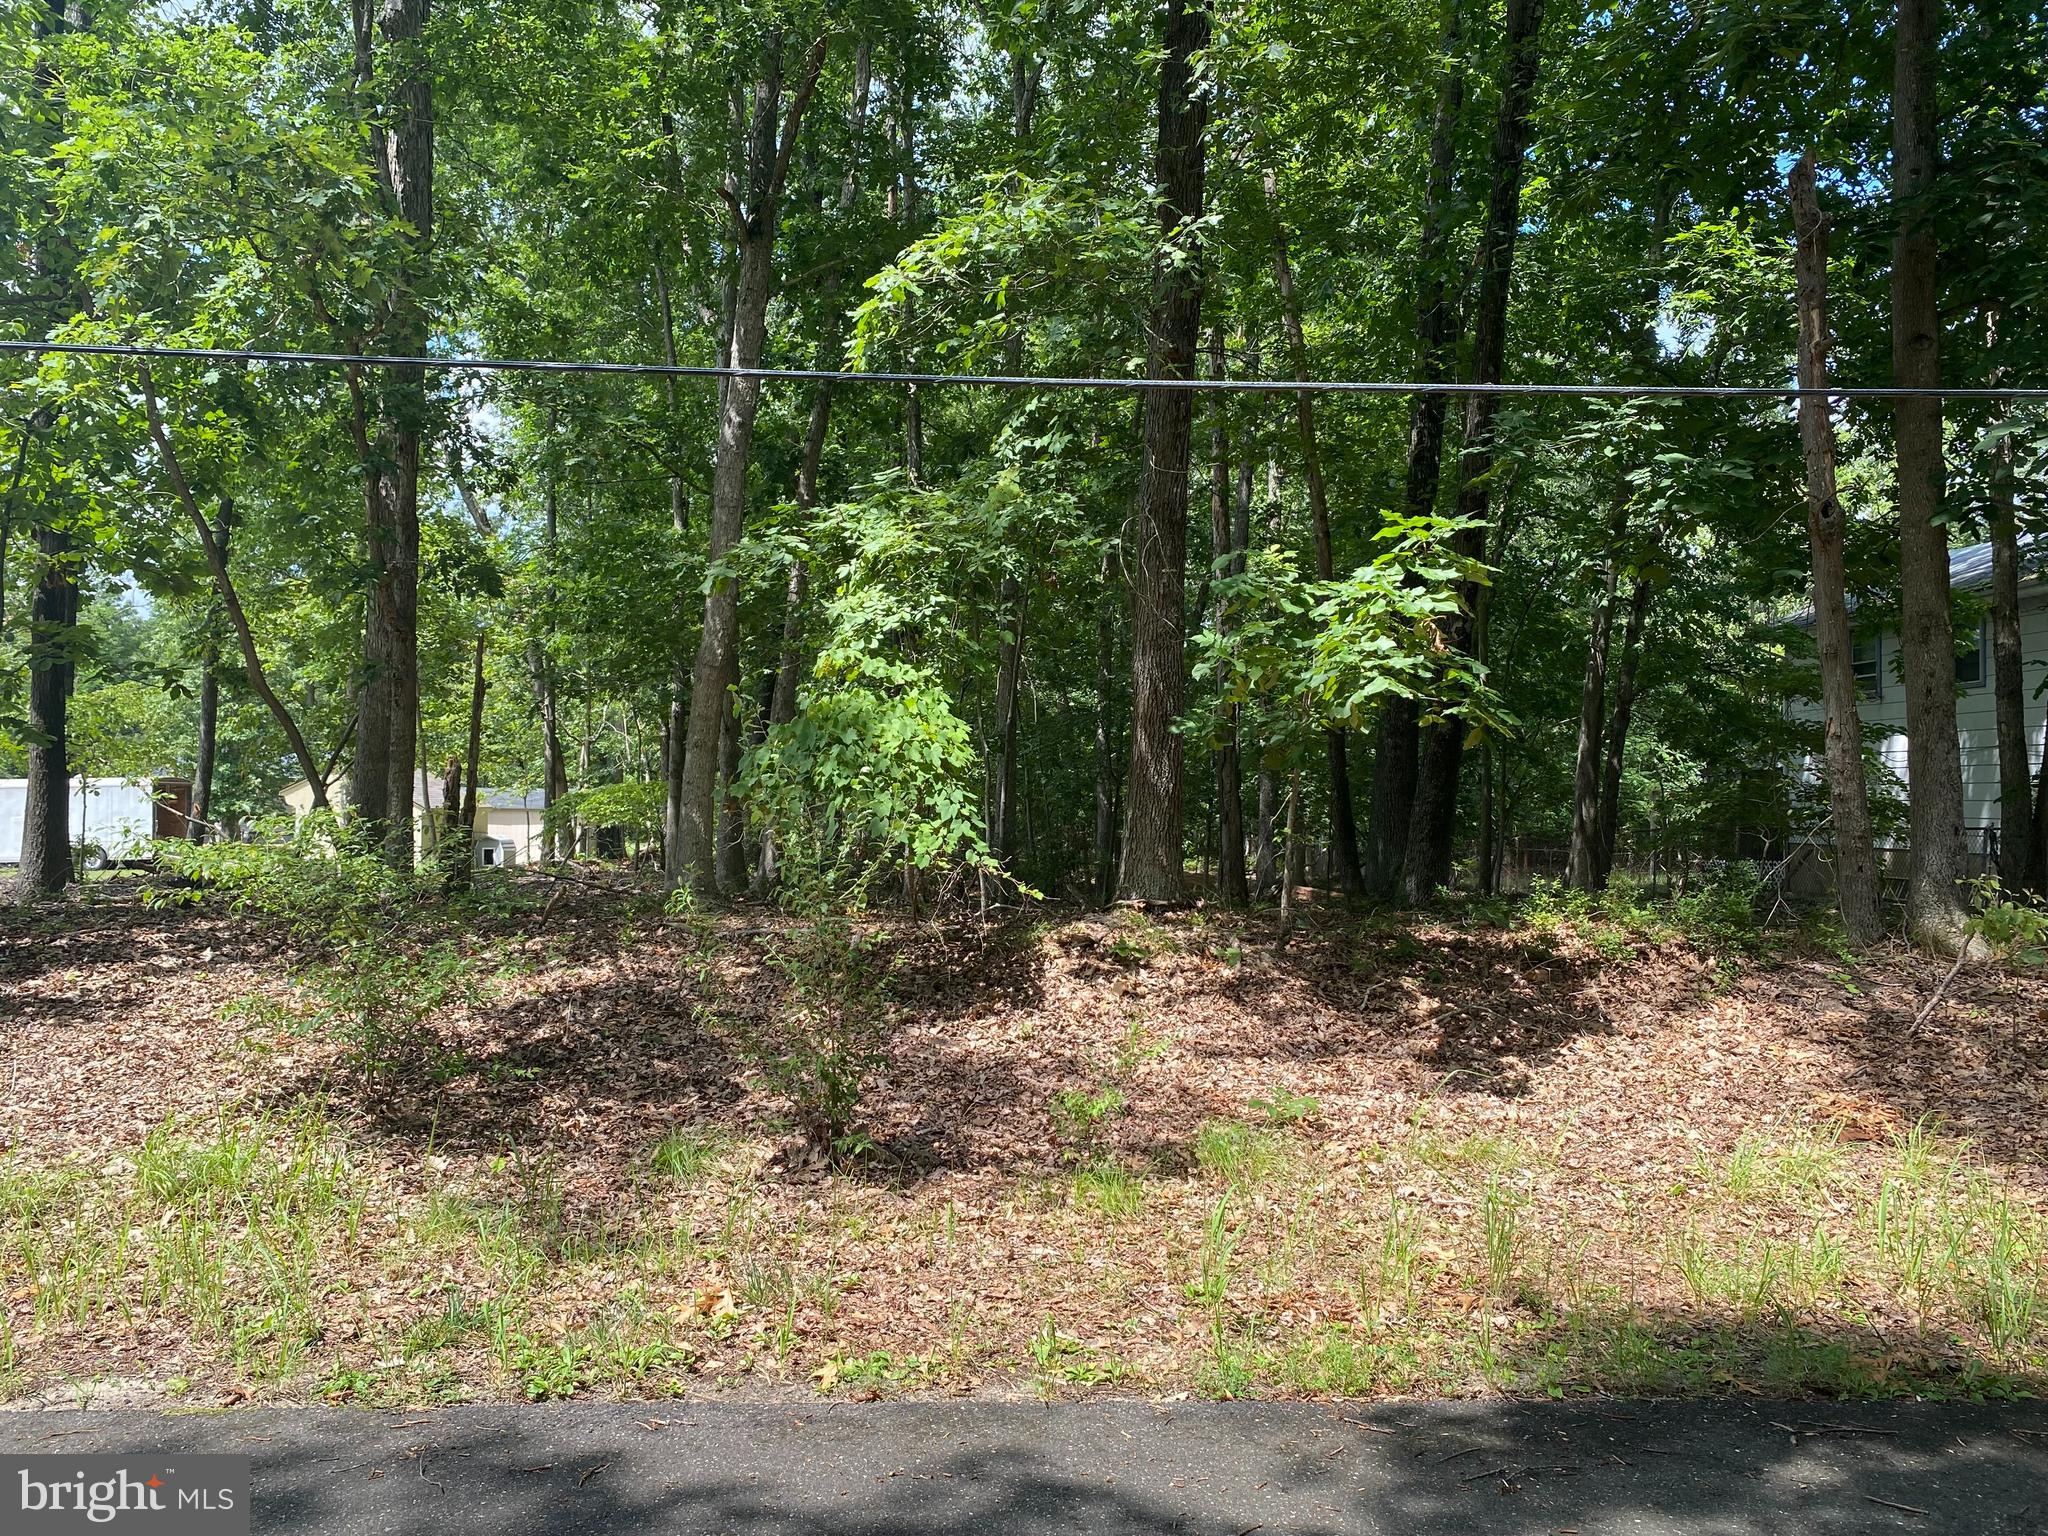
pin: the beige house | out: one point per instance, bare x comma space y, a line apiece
507, 830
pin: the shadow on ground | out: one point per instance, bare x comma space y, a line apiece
1216, 1469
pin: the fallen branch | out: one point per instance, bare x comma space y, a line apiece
1961, 955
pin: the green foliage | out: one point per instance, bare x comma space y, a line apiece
2015, 926
634, 807
1332, 652
1721, 907
687, 1153
1024, 246
1080, 1116
828, 1034
1237, 1154
878, 771
1282, 1108
375, 974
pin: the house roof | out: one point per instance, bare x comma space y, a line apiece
1969, 569
488, 799
510, 800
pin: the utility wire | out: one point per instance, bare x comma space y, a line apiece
1017, 381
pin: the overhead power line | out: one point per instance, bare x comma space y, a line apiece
1015, 381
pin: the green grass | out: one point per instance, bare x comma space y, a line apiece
1108, 1187
1442, 1260
1237, 1154
689, 1152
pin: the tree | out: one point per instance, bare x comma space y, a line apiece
1934, 895
53, 613
1396, 739
1427, 865
1152, 848
1337, 740
770, 141
397, 105
1856, 885
217, 565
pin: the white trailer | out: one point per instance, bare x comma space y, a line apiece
113, 818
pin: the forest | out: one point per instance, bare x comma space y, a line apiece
1116, 623
1004, 638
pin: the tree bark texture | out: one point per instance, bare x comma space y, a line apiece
1427, 865
1856, 882
1396, 736
401, 141
1152, 851
1233, 887
206, 752
1615, 738
45, 867
1934, 769
1582, 860
1105, 849
2009, 694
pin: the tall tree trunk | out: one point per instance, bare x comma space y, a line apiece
53, 608
1427, 865
1857, 889
1105, 735
913, 402
1233, 888
1934, 768
46, 817
1009, 693
199, 825
1151, 869
1583, 859
1337, 742
401, 138
715, 671
790, 661
1025, 75
1396, 737
1484, 864
1266, 857
540, 662
1616, 736
2015, 783
732, 820
675, 723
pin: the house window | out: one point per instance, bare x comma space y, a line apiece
487, 854
1865, 661
1970, 667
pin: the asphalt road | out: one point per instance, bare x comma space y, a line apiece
1211, 1469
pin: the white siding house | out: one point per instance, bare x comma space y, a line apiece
1883, 701
508, 824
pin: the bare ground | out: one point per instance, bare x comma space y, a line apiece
1404, 1154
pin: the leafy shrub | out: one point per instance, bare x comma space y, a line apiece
375, 975
825, 1042
1720, 910
1079, 1115
2015, 926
